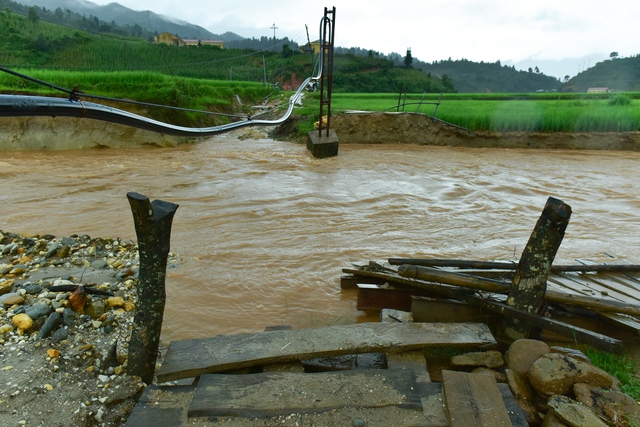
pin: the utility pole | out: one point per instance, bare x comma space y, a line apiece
274, 28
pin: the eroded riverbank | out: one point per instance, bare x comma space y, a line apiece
62, 133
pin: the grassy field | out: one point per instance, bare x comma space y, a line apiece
543, 112
537, 112
151, 87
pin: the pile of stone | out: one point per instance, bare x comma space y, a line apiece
49, 287
66, 310
556, 386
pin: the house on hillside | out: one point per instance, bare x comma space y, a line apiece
168, 38
173, 40
598, 90
311, 47
196, 42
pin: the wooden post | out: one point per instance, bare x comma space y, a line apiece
530, 281
152, 222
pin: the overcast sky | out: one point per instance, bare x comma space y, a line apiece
562, 37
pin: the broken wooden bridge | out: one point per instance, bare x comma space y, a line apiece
378, 374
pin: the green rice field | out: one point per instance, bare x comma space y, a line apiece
545, 112
536, 112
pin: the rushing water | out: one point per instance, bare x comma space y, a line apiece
264, 229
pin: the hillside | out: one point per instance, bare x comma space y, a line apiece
356, 69
474, 77
35, 43
619, 75
139, 23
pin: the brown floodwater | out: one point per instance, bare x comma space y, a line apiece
264, 229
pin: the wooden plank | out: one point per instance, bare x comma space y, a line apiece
509, 266
351, 281
162, 406
376, 297
627, 281
587, 287
622, 320
594, 339
582, 286
191, 358
395, 316
613, 286
474, 400
410, 360
426, 274
272, 394
446, 311
623, 283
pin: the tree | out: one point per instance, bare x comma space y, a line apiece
537, 70
566, 78
408, 59
613, 55
33, 15
286, 51
448, 84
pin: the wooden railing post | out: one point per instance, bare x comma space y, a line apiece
530, 281
152, 222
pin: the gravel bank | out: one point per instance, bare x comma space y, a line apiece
66, 309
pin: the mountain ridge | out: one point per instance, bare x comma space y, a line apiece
122, 15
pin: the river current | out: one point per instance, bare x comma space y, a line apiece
264, 229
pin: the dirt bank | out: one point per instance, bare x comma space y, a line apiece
61, 133
414, 128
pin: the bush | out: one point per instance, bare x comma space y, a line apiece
619, 99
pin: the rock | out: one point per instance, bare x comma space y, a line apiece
19, 269
488, 359
107, 319
53, 353
38, 310
522, 353
5, 328
59, 282
11, 249
610, 404
574, 414
68, 317
22, 321
67, 241
11, 298
519, 385
95, 308
33, 289
4, 269
556, 373
115, 302
524, 395
63, 251
60, 334
550, 420
99, 263
5, 287
52, 248
50, 324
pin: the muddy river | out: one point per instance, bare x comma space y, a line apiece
264, 229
